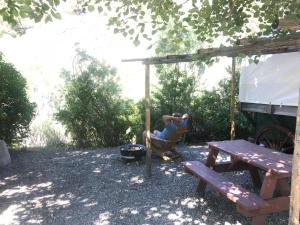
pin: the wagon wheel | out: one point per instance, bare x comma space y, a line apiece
276, 137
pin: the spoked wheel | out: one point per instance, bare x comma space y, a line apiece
276, 137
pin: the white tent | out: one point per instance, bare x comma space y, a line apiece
274, 80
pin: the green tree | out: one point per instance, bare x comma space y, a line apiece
174, 92
16, 111
211, 111
176, 83
208, 19
13, 12
93, 111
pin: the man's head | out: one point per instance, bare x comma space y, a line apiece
185, 116
176, 114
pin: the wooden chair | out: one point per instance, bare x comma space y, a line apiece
161, 146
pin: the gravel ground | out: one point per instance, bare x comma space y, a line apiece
95, 187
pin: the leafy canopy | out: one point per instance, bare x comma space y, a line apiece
208, 19
13, 12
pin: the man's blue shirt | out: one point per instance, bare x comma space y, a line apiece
170, 129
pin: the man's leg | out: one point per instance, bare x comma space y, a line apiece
156, 133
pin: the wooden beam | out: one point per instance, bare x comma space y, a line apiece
295, 191
233, 100
287, 24
173, 59
133, 60
253, 46
216, 52
262, 46
147, 122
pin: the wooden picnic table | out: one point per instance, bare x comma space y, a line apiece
274, 186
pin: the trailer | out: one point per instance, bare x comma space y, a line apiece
268, 92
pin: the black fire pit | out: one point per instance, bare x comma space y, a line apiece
132, 152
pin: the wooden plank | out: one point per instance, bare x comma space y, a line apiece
258, 46
258, 220
287, 24
277, 204
210, 162
234, 51
255, 176
212, 157
289, 43
268, 160
281, 170
284, 187
147, 122
233, 192
253, 149
295, 191
268, 186
264, 160
230, 167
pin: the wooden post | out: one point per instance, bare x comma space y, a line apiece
147, 122
232, 101
295, 191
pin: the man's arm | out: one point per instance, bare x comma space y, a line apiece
167, 119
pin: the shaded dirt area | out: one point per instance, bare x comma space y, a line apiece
96, 187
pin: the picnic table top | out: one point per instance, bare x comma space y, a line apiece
258, 156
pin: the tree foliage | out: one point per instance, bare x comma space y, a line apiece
211, 110
13, 14
174, 92
207, 19
16, 112
12, 11
176, 83
93, 112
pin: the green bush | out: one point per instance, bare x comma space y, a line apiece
174, 93
46, 134
93, 112
16, 112
211, 111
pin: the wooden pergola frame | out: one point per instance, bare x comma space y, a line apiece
244, 47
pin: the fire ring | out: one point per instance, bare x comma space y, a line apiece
132, 151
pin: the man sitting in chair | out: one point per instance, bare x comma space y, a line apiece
163, 141
171, 124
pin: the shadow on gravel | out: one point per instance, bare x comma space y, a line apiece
96, 187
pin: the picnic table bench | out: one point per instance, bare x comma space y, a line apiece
277, 168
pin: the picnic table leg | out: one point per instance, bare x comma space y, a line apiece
266, 192
210, 162
255, 176
284, 187
258, 220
